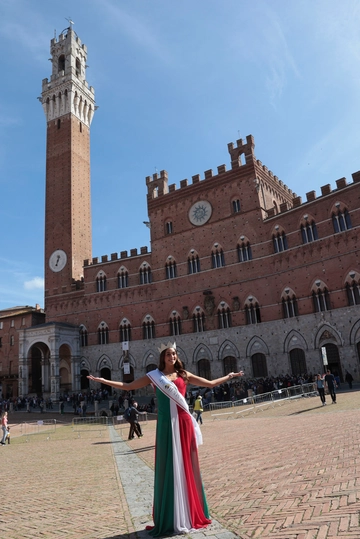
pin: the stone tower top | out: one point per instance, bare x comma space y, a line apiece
68, 91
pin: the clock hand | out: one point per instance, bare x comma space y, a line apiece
57, 260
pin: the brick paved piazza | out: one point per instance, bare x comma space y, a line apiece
290, 472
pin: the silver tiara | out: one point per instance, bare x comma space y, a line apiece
166, 346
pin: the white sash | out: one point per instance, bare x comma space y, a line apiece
171, 391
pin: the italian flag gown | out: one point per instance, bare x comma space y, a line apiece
179, 497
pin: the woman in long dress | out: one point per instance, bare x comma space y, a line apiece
179, 498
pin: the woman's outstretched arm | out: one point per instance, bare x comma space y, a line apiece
203, 382
136, 384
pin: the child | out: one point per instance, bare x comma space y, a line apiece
8, 436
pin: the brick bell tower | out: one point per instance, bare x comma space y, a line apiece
69, 105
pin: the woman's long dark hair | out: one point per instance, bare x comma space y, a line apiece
178, 366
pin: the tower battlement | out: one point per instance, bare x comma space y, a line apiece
158, 184
242, 148
326, 190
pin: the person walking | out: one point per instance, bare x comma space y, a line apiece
198, 409
4, 427
331, 385
134, 422
179, 499
349, 378
321, 388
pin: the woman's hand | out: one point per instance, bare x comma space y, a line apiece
94, 379
235, 374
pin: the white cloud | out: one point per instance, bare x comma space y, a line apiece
34, 284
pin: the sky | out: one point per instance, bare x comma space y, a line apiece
174, 83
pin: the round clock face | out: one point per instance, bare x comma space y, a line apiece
57, 260
200, 212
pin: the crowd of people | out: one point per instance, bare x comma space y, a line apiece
241, 389
234, 390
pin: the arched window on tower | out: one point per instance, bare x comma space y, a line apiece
193, 262
252, 311
148, 326
321, 298
170, 268
217, 257
78, 67
83, 336
224, 316
61, 63
123, 278
309, 232
198, 320
168, 227
125, 330
289, 304
244, 250
341, 220
236, 206
101, 282
145, 273
103, 333
280, 242
353, 288
175, 324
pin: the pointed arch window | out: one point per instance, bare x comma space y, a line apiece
259, 365
123, 278
217, 257
145, 274
297, 361
244, 251
61, 63
309, 232
198, 320
101, 282
168, 227
280, 242
236, 206
229, 365
353, 292
148, 328
224, 316
103, 334
193, 263
341, 221
83, 336
204, 369
321, 299
252, 312
125, 331
170, 268
175, 324
289, 304
78, 67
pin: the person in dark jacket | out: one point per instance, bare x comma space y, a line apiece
331, 385
349, 379
134, 422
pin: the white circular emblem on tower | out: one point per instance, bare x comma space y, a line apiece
57, 260
200, 212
